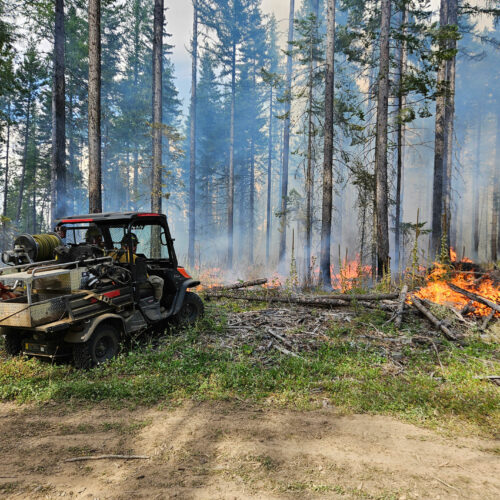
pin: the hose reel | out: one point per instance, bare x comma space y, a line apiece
32, 248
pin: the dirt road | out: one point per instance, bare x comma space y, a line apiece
223, 450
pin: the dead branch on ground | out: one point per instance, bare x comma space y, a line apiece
438, 324
235, 286
103, 457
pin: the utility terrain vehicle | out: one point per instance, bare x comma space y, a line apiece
96, 280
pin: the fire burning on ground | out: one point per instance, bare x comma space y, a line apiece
350, 275
468, 277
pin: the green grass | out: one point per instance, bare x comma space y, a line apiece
346, 371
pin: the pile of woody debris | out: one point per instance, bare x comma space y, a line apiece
471, 296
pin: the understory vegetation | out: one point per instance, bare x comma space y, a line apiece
437, 385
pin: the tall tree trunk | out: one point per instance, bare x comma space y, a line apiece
381, 143
192, 143
269, 175
439, 145
251, 221
496, 200
400, 138
24, 160
326, 207
286, 142
449, 119
135, 182
58, 176
71, 177
6, 180
309, 168
230, 195
33, 206
156, 190
6, 177
475, 188
127, 175
95, 194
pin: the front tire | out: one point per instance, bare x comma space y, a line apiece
102, 346
191, 311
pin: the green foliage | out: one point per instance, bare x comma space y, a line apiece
346, 370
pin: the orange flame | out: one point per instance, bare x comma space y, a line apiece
438, 291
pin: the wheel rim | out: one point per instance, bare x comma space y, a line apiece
104, 349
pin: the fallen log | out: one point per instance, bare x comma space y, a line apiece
438, 324
401, 305
282, 300
235, 286
474, 297
368, 296
303, 301
378, 305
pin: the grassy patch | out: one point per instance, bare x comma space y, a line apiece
345, 370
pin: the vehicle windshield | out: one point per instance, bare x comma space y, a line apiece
112, 237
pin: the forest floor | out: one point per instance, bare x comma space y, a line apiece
261, 402
212, 450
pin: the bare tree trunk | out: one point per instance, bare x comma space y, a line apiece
156, 190
400, 139
309, 181
440, 145
326, 208
230, 196
95, 194
450, 117
286, 142
58, 184
6, 177
33, 207
381, 143
475, 188
496, 200
251, 229
71, 176
24, 160
192, 143
269, 174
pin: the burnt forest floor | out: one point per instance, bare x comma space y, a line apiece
289, 358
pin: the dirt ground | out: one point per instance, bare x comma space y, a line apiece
229, 451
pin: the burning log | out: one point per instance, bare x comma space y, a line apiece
438, 324
401, 305
235, 286
475, 298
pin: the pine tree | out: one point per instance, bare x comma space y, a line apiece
58, 173
192, 144
94, 104
326, 214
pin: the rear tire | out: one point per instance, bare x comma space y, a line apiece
191, 311
13, 343
103, 345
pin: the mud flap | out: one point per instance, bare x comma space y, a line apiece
179, 297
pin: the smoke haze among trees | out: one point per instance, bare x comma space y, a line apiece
416, 126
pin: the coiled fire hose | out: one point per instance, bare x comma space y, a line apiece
39, 246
